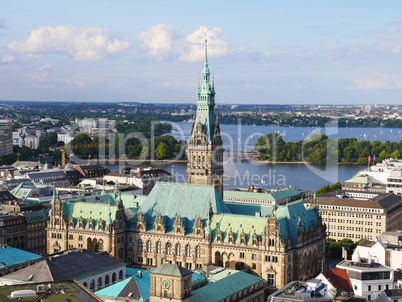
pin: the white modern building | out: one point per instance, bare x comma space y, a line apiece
368, 279
387, 250
65, 137
381, 177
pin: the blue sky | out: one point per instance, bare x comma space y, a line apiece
262, 52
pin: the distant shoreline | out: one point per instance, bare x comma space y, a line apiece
298, 162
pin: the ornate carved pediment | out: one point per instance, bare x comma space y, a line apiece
140, 225
198, 230
231, 237
254, 239
80, 223
71, 222
90, 223
101, 224
178, 227
198, 137
243, 238
159, 226
219, 236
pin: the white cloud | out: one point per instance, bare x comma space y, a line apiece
45, 67
194, 49
7, 59
377, 80
168, 84
164, 40
158, 41
81, 44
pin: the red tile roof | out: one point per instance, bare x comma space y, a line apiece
339, 278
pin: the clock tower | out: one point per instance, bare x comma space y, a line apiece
170, 282
205, 150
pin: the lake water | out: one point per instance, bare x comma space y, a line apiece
241, 173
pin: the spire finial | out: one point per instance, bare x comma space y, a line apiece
206, 42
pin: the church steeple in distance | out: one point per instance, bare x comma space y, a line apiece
205, 151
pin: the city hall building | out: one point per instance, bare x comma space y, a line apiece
189, 224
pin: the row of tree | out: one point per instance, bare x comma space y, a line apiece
319, 149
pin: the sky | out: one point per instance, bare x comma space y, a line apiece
260, 52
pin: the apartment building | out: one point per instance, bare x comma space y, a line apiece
358, 215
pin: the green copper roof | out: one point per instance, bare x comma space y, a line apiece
188, 200
37, 216
206, 102
113, 290
359, 180
222, 274
88, 210
262, 196
225, 287
237, 224
170, 269
244, 218
288, 217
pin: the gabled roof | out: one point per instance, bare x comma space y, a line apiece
121, 289
225, 287
170, 269
339, 278
359, 180
12, 256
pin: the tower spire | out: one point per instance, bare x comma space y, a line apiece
206, 48
205, 150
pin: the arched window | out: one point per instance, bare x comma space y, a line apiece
149, 246
85, 284
120, 275
99, 282
107, 280
168, 248
113, 277
100, 245
198, 251
188, 250
140, 245
92, 285
159, 247
178, 249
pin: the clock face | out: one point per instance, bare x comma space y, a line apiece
165, 283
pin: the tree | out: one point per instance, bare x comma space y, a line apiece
396, 154
329, 188
161, 151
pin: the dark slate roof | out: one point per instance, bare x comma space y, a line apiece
381, 201
131, 287
154, 173
72, 264
394, 293
90, 167
57, 175
170, 269
6, 196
